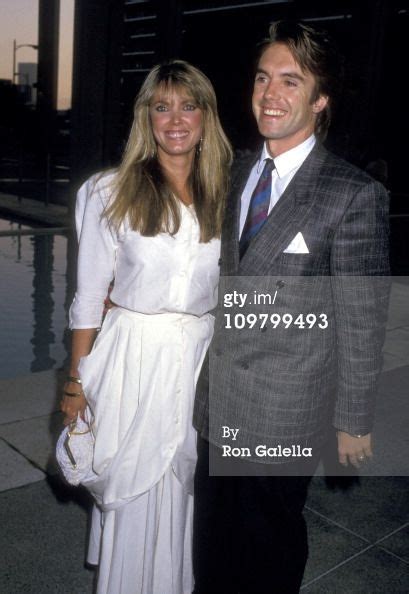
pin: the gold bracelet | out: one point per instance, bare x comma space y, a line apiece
73, 394
71, 378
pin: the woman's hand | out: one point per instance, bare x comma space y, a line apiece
82, 341
72, 405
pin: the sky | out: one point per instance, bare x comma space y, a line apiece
19, 20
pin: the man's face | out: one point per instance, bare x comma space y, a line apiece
282, 100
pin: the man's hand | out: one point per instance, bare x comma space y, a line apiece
353, 450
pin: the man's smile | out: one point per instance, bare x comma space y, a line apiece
274, 112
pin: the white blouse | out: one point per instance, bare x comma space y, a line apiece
153, 275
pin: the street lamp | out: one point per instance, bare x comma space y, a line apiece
15, 48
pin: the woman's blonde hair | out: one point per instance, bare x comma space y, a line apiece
142, 193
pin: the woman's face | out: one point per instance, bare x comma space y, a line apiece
177, 121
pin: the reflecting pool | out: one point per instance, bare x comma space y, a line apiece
33, 298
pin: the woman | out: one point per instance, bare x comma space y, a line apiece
154, 226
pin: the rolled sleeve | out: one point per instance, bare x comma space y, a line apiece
96, 254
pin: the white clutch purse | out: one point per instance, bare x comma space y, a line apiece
75, 451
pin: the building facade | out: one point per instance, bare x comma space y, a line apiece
118, 41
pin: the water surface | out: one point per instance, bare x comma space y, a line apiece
33, 291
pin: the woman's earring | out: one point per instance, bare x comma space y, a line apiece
199, 146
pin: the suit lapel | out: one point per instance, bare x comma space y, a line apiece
288, 215
230, 236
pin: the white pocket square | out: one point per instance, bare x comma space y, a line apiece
297, 246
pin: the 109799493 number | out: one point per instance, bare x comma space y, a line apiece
240, 321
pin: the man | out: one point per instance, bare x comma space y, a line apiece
316, 228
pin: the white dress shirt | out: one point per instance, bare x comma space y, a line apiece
286, 166
153, 275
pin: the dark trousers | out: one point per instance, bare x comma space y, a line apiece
249, 532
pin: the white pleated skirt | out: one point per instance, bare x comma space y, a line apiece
145, 546
140, 381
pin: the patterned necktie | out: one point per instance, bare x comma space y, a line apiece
258, 207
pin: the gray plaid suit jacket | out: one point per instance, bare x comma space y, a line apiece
287, 385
